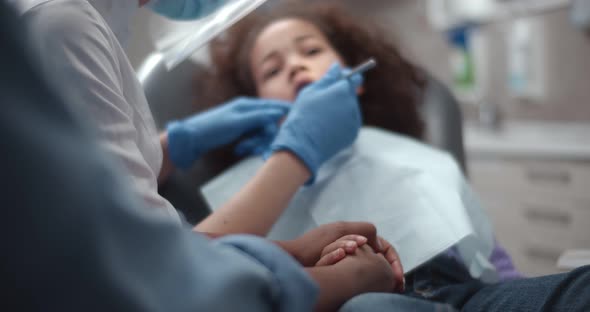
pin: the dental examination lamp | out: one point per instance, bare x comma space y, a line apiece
176, 42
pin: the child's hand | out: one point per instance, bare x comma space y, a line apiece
347, 245
337, 250
307, 249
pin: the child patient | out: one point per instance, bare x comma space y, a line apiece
276, 54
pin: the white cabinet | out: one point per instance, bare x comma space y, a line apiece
537, 193
539, 208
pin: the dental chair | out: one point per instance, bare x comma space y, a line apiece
171, 96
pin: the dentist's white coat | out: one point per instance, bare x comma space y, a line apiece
77, 42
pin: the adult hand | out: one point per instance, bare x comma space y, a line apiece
346, 245
325, 119
371, 272
307, 249
362, 272
395, 263
191, 137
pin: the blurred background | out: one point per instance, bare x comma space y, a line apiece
520, 71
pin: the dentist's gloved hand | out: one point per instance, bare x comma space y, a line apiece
324, 119
259, 142
190, 138
185, 9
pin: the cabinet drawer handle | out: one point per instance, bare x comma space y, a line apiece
554, 217
548, 176
542, 254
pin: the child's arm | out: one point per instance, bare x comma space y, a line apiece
260, 203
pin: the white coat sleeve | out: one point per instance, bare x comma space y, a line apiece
77, 47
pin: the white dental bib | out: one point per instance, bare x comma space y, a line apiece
416, 195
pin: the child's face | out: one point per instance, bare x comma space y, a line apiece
288, 55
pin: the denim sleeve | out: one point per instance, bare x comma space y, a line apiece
293, 287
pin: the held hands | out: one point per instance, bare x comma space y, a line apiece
309, 248
354, 245
325, 119
333, 243
370, 271
190, 138
338, 250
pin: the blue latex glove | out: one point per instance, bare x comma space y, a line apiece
185, 9
258, 143
190, 138
325, 119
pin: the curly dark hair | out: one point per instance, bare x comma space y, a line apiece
392, 90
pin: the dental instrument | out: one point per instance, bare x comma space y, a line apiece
365, 66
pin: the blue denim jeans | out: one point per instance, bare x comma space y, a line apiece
392, 302
443, 284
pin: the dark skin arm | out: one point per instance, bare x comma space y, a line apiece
307, 249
